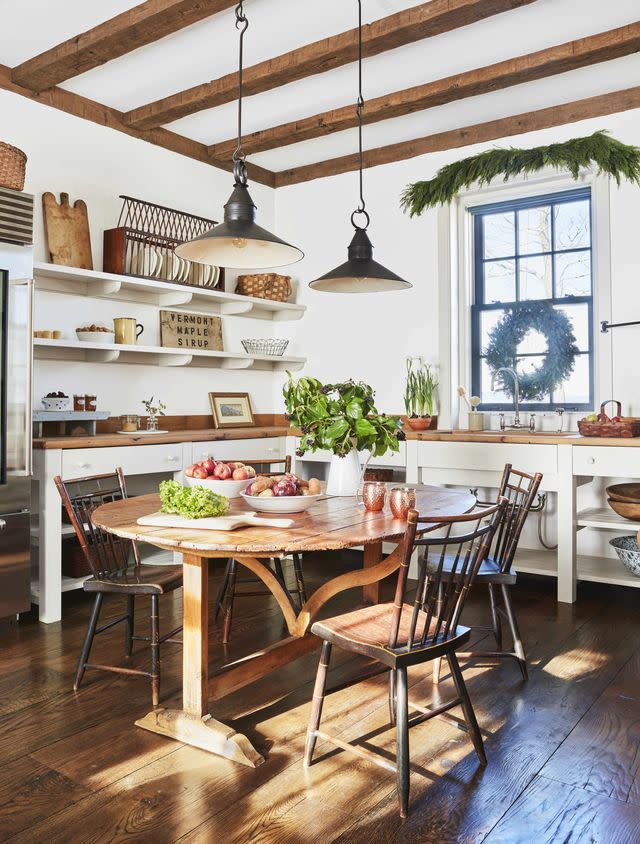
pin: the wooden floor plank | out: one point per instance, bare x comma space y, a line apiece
550, 812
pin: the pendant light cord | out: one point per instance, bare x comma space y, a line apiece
361, 209
238, 158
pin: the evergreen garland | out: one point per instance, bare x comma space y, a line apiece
611, 156
506, 336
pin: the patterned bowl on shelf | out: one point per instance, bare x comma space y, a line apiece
272, 347
628, 551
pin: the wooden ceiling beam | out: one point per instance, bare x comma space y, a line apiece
404, 27
103, 115
548, 62
505, 127
129, 30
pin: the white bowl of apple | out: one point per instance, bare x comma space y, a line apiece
282, 494
224, 478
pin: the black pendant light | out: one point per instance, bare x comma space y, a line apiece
239, 242
360, 273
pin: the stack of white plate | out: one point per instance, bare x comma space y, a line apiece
153, 262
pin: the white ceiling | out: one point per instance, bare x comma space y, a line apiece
208, 49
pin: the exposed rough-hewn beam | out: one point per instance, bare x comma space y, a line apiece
505, 127
396, 30
131, 29
103, 115
559, 59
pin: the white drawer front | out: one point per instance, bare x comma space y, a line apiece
134, 460
488, 457
606, 461
391, 458
267, 448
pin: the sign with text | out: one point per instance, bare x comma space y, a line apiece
190, 331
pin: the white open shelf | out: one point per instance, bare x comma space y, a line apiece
163, 294
45, 349
604, 518
596, 569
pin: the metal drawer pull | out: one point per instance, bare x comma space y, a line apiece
83, 465
172, 458
3, 524
591, 460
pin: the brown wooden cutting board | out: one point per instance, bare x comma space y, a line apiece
67, 229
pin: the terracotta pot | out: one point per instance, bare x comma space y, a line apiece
419, 423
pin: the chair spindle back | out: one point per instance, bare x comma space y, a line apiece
520, 490
105, 553
440, 593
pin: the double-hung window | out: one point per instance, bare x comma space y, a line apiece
537, 248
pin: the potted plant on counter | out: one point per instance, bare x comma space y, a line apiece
419, 393
343, 419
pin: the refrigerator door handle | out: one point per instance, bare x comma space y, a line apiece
28, 434
3, 524
4, 350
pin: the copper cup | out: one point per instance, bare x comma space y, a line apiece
401, 500
373, 495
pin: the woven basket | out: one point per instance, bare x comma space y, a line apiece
265, 286
12, 167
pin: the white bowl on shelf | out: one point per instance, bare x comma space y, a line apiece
231, 489
281, 503
60, 403
95, 336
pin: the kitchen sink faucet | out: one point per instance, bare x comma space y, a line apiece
516, 401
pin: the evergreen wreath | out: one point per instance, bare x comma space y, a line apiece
506, 336
611, 156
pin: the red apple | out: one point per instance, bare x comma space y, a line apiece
209, 465
251, 471
240, 474
189, 470
200, 473
222, 472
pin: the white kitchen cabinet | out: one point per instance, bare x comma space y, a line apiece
267, 448
134, 460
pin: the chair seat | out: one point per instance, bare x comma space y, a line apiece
366, 631
138, 580
489, 570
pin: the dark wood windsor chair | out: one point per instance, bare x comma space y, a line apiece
496, 572
399, 634
116, 570
227, 591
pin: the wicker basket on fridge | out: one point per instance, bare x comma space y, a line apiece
265, 286
13, 164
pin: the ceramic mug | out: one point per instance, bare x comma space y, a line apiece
127, 330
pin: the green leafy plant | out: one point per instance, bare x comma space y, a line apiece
420, 387
611, 156
195, 502
339, 417
154, 410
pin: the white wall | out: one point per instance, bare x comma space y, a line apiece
369, 336
97, 164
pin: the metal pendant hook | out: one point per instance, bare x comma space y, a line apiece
240, 175
366, 216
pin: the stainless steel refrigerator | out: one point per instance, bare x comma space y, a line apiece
16, 293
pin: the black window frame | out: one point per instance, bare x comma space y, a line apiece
479, 306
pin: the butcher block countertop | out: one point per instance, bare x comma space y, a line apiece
536, 438
179, 436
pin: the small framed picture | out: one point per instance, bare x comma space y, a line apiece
231, 410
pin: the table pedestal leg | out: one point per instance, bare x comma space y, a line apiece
192, 724
372, 556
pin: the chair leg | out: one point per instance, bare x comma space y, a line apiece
467, 708
402, 740
297, 568
222, 590
155, 650
515, 632
318, 700
88, 640
277, 565
392, 697
129, 624
228, 603
437, 663
496, 623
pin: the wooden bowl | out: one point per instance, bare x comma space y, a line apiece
626, 509
624, 492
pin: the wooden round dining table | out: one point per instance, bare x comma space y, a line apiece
330, 524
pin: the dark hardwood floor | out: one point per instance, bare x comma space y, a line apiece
563, 749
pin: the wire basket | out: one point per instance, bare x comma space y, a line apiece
272, 347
